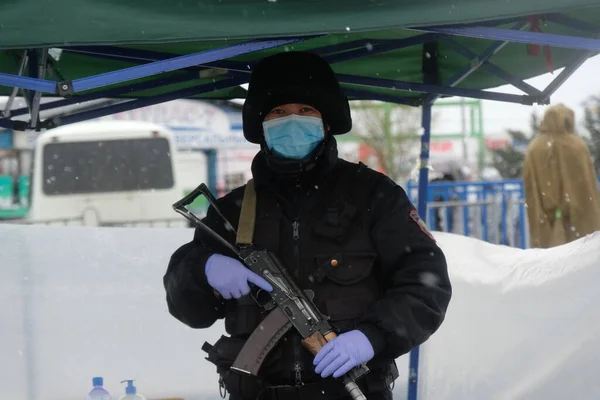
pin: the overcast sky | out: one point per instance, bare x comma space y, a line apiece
584, 83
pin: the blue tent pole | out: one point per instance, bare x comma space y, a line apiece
424, 161
413, 371
419, 87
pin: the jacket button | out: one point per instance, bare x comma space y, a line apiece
334, 262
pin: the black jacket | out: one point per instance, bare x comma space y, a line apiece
410, 267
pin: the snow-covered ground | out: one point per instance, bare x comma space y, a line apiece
522, 324
82, 302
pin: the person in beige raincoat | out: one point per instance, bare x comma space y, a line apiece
560, 183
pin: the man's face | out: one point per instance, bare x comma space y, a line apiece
297, 137
291, 109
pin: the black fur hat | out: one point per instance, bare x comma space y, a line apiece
294, 77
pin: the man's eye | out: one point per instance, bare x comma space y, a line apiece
308, 110
277, 111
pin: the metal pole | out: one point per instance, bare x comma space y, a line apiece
32, 61
176, 63
463, 127
143, 102
477, 61
424, 159
549, 39
37, 97
112, 93
564, 75
23, 82
359, 94
11, 99
418, 87
413, 374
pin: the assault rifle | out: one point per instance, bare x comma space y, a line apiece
288, 305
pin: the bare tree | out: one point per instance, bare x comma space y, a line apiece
509, 161
392, 131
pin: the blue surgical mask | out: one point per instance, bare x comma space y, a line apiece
294, 136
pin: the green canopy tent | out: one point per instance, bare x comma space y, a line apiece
408, 52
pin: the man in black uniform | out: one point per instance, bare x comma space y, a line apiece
374, 267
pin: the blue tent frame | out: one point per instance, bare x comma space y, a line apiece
235, 74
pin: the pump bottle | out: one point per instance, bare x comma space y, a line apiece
131, 392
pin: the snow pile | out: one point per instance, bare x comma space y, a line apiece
82, 302
523, 324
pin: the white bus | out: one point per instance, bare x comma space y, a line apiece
110, 173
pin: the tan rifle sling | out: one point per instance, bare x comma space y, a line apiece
247, 221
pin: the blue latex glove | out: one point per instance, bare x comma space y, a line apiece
343, 353
230, 277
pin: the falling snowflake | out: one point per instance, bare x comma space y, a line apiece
429, 279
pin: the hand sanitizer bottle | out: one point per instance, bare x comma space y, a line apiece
131, 392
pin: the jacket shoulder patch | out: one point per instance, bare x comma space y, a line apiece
414, 215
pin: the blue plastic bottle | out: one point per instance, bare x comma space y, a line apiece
98, 392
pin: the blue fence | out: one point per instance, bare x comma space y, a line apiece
493, 211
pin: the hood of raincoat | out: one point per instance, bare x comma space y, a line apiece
558, 120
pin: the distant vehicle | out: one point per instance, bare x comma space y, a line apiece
111, 173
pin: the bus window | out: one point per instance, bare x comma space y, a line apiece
107, 166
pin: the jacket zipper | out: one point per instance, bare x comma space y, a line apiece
296, 236
298, 373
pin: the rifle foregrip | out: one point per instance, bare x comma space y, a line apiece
315, 342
